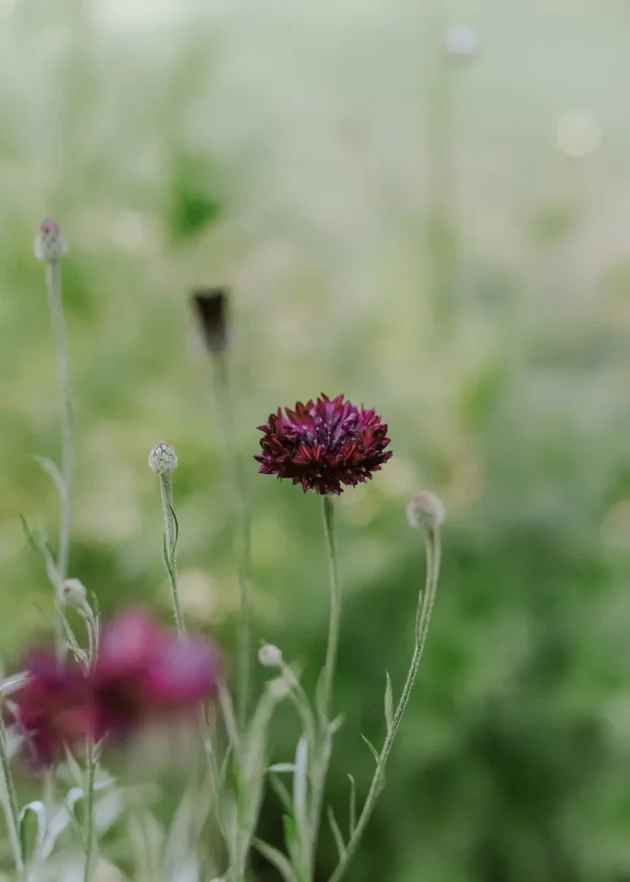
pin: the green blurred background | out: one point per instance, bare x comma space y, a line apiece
442, 239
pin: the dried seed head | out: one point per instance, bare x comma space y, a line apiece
163, 459
426, 510
50, 245
270, 656
211, 306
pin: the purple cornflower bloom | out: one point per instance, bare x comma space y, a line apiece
323, 444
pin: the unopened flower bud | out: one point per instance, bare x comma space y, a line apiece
50, 245
461, 42
426, 510
163, 459
270, 656
73, 593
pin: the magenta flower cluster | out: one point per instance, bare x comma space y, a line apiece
142, 674
323, 444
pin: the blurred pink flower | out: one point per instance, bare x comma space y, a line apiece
143, 672
52, 707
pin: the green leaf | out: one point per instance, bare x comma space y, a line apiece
35, 809
353, 804
176, 522
300, 789
389, 702
373, 750
281, 792
292, 839
51, 469
277, 859
336, 832
282, 767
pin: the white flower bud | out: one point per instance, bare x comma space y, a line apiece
162, 459
270, 656
426, 510
50, 245
461, 42
73, 593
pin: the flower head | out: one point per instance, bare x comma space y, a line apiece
324, 444
426, 510
212, 312
49, 243
270, 656
461, 42
51, 708
163, 459
143, 673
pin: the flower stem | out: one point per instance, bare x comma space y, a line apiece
323, 748
90, 839
55, 304
170, 546
10, 803
242, 535
335, 609
425, 608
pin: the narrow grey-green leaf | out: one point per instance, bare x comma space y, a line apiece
336, 832
38, 810
353, 805
300, 787
51, 469
281, 792
389, 701
276, 858
373, 750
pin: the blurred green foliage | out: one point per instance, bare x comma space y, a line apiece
471, 283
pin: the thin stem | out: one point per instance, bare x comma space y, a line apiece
90, 839
170, 545
324, 748
432, 541
10, 803
335, 609
55, 304
242, 535
94, 637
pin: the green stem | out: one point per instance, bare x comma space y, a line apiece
170, 545
423, 618
324, 748
90, 839
55, 304
10, 803
335, 609
242, 535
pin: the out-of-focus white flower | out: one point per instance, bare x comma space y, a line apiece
461, 41
578, 134
163, 459
270, 656
426, 510
50, 245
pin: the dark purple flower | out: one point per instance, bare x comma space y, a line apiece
143, 672
324, 444
51, 708
212, 312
